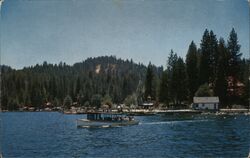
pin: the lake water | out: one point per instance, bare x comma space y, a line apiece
52, 134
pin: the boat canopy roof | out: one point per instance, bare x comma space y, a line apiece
103, 115
106, 113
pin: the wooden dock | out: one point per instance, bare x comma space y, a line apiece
185, 111
146, 112
234, 110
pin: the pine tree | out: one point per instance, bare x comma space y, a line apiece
204, 69
163, 94
209, 57
96, 100
220, 85
140, 92
192, 70
172, 60
78, 86
67, 102
180, 81
204, 91
234, 55
213, 59
177, 82
149, 83
246, 81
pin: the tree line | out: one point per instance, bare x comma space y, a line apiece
95, 81
108, 80
207, 71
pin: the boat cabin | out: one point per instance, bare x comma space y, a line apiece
107, 117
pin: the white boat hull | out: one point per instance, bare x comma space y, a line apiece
89, 123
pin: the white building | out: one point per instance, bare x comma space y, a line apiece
146, 105
205, 103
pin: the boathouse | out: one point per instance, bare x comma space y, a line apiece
146, 105
205, 103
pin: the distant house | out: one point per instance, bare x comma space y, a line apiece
146, 105
205, 103
235, 87
48, 104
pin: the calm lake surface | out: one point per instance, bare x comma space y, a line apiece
52, 134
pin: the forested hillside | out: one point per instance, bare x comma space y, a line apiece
99, 77
216, 68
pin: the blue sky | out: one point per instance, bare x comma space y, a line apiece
33, 31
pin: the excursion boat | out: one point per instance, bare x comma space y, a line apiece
98, 119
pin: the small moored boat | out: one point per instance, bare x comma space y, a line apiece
98, 119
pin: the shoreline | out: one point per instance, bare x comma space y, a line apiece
150, 112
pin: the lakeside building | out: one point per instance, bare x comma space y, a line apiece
146, 105
205, 103
235, 87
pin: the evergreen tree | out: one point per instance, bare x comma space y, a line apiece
67, 102
234, 52
172, 60
182, 81
220, 88
213, 60
246, 81
107, 100
163, 94
209, 57
204, 70
140, 92
78, 85
130, 100
204, 91
179, 83
234, 57
192, 70
149, 83
96, 100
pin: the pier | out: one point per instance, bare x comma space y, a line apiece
158, 111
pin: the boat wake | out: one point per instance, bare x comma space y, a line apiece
171, 122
